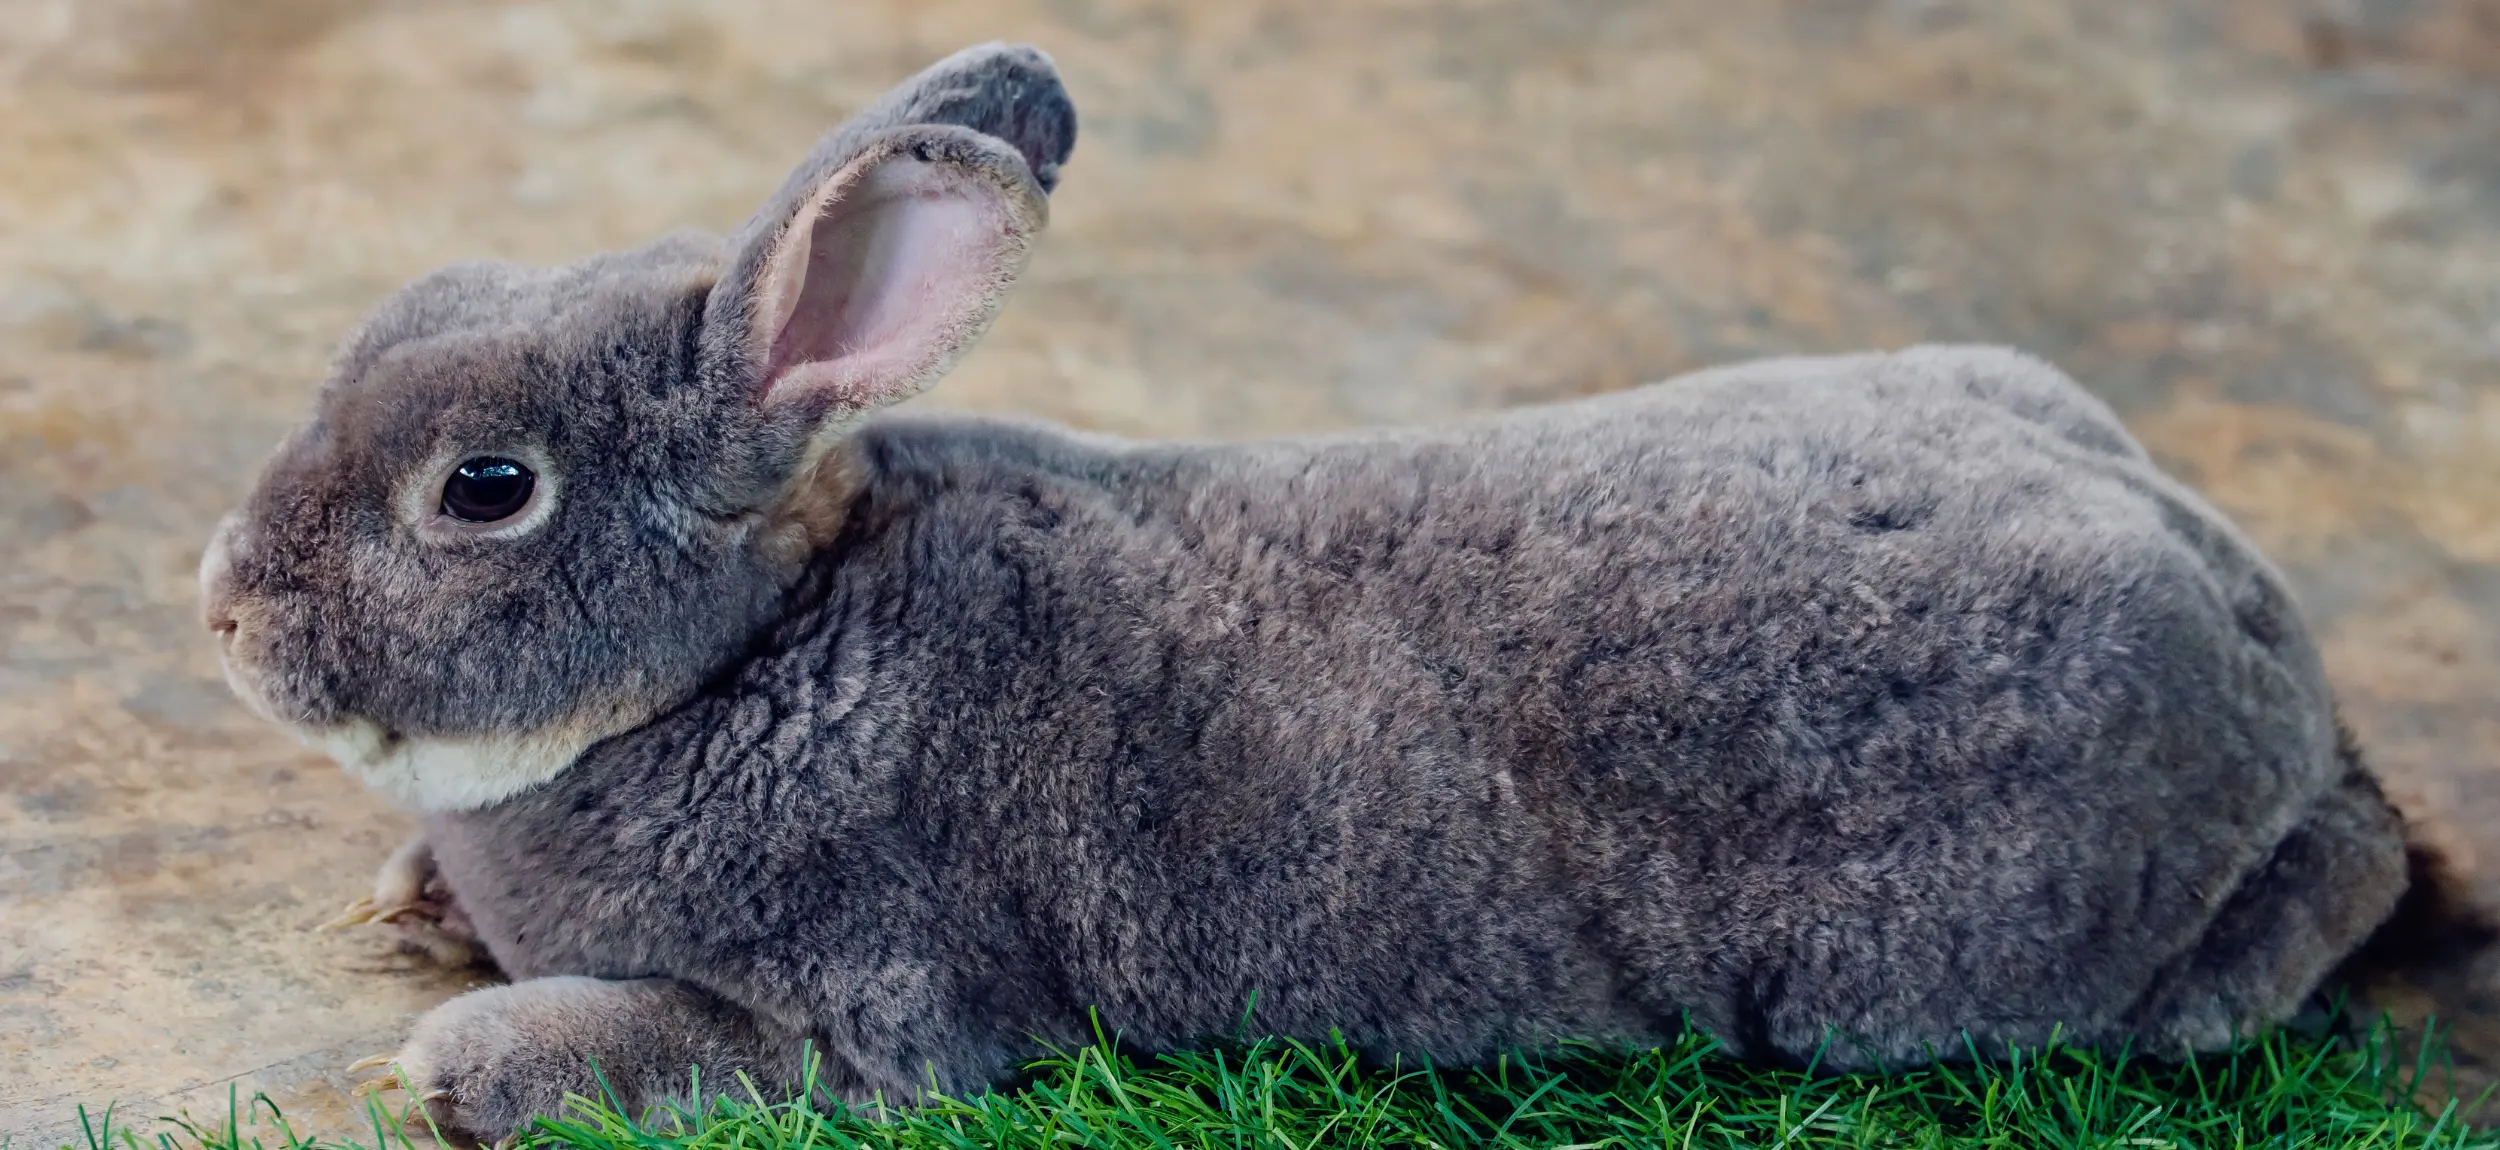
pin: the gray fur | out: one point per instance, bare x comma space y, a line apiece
1884, 697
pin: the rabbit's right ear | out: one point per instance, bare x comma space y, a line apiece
886, 271
890, 249
1011, 91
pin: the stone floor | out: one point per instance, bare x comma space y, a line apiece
2267, 230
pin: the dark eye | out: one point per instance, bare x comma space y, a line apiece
487, 489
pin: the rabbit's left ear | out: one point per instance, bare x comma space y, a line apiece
879, 276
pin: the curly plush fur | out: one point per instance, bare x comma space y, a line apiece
1883, 699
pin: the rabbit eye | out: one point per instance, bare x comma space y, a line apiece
487, 489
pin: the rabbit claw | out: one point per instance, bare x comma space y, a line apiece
395, 1078
357, 913
392, 1078
365, 911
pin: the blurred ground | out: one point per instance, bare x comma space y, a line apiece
2267, 230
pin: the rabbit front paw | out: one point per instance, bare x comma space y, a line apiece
484, 1064
487, 1063
411, 897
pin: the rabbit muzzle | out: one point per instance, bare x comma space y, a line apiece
420, 774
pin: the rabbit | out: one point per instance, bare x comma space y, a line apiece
1852, 708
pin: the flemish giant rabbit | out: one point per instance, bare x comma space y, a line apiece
1884, 697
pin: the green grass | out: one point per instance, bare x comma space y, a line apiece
2285, 1091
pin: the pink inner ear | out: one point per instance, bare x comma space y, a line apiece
895, 271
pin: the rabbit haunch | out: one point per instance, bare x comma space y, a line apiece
1883, 699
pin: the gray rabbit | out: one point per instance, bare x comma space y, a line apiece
1880, 699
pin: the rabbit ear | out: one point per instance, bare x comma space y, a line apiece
888, 251
1011, 91
881, 275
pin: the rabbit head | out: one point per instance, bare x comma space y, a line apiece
535, 507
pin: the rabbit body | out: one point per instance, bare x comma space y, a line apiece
1893, 694
1871, 701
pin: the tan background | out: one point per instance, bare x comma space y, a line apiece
2267, 230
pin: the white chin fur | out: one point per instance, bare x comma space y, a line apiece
432, 776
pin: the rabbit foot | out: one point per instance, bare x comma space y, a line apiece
484, 1066
410, 895
481, 1066
447, 940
